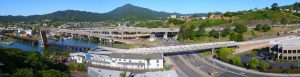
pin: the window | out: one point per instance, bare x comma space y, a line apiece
124, 59
294, 51
289, 51
290, 58
157, 65
157, 61
119, 59
284, 51
285, 58
129, 60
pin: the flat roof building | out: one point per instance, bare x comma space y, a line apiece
286, 49
121, 60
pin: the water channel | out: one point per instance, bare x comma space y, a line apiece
28, 46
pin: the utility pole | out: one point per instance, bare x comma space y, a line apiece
213, 71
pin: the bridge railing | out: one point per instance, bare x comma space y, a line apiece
182, 48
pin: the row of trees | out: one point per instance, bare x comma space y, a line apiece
234, 35
226, 55
262, 28
254, 63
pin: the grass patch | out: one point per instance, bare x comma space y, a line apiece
206, 53
166, 67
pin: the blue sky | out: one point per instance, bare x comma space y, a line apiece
32, 7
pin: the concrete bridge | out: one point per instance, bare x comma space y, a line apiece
182, 48
240, 46
121, 34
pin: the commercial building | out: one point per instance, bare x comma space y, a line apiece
120, 60
286, 49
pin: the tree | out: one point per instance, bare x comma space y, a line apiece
258, 27
72, 67
214, 33
123, 74
237, 61
23, 73
33, 31
81, 67
252, 63
175, 21
239, 37
262, 28
226, 32
52, 73
225, 53
147, 58
46, 52
232, 36
274, 6
239, 28
201, 32
263, 65
253, 33
266, 28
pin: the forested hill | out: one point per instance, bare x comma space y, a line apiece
126, 12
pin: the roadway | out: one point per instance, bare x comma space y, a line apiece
205, 65
201, 65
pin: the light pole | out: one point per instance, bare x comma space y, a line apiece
213, 71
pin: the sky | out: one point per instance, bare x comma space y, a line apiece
38, 7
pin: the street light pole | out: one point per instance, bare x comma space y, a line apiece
213, 71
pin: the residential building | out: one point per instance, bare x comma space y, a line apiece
203, 18
78, 57
173, 16
120, 60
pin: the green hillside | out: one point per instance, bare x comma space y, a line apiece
276, 16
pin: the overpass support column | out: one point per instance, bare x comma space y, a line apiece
80, 37
89, 38
152, 37
176, 36
72, 35
166, 35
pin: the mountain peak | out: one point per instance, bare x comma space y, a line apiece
128, 5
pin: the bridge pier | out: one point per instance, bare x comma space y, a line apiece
176, 36
89, 38
72, 35
166, 35
152, 37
